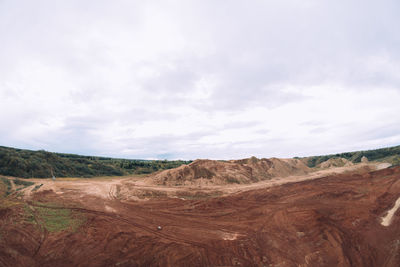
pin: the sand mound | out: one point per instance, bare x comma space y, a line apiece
335, 162
332, 221
229, 172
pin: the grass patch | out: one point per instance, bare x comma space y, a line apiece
150, 194
6, 181
23, 183
6, 186
232, 180
198, 194
37, 187
54, 218
7, 201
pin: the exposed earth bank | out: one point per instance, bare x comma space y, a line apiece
327, 221
243, 171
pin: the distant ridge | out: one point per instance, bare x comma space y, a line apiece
28, 163
215, 172
389, 154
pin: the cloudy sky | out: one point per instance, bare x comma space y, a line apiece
200, 79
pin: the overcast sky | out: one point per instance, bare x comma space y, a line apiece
200, 79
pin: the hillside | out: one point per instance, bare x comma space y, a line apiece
27, 163
389, 154
228, 172
252, 212
336, 220
335, 162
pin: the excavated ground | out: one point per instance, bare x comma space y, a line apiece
328, 221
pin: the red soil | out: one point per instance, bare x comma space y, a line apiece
331, 221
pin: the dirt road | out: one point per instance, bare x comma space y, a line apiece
328, 221
136, 188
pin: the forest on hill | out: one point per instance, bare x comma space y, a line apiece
42, 164
389, 154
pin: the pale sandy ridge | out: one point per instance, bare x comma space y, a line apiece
129, 188
387, 220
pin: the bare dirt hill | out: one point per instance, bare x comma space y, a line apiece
335, 162
229, 172
329, 221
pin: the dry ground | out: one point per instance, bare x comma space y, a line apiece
139, 187
327, 218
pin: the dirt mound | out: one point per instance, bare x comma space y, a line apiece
229, 172
335, 162
331, 221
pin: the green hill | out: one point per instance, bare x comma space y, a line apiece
28, 163
41, 164
389, 154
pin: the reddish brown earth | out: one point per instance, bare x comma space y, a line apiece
335, 162
330, 221
243, 171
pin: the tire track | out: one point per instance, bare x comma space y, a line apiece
142, 227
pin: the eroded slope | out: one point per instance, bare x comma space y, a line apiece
331, 221
229, 172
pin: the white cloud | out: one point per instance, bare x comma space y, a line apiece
199, 79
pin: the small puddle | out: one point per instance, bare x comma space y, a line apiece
387, 220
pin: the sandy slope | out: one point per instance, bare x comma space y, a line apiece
387, 220
212, 172
137, 188
329, 221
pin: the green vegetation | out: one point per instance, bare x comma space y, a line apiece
37, 187
54, 218
43, 164
396, 160
391, 154
19, 185
232, 180
23, 183
194, 195
5, 186
7, 199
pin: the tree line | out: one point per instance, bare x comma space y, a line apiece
43, 164
390, 154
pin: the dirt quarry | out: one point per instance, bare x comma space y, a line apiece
205, 172
344, 216
335, 162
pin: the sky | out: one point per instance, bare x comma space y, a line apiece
199, 79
